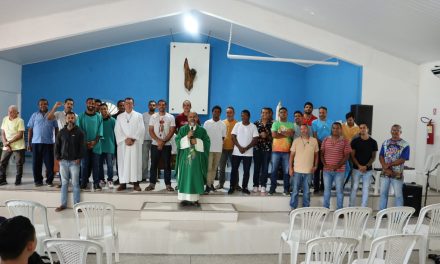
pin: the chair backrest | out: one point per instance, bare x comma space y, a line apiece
95, 216
398, 218
434, 222
330, 250
73, 251
354, 222
398, 248
308, 221
28, 209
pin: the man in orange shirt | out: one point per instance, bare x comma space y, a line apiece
228, 146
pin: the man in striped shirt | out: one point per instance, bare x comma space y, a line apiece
335, 151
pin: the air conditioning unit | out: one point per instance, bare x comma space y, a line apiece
436, 71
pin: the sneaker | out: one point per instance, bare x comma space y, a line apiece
149, 187
245, 191
17, 182
3, 182
207, 190
219, 186
121, 187
49, 184
263, 189
212, 188
231, 191
271, 192
38, 184
102, 182
238, 188
169, 188
255, 190
110, 185
60, 208
97, 187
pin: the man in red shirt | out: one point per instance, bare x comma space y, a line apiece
308, 117
182, 119
335, 151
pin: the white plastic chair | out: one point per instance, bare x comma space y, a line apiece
353, 225
429, 231
99, 219
29, 209
330, 250
73, 251
305, 224
398, 250
397, 220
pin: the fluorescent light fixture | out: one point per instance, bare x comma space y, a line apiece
191, 24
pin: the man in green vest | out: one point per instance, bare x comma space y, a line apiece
192, 161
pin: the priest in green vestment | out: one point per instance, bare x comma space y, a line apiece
192, 160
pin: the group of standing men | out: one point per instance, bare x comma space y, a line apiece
301, 149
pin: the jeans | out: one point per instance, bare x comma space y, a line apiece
108, 158
69, 169
4, 161
261, 167
338, 179
247, 162
384, 190
90, 162
301, 180
146, 147
366, 176
278, 157
226, 155
156, 155
42, 153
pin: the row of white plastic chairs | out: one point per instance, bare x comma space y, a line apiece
95, 227
348, 231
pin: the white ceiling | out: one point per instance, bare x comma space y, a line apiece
408, 29
209, 25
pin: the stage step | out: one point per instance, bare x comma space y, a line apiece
169, 211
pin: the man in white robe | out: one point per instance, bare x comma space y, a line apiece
129, 133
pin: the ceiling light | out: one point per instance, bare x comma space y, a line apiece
191, 24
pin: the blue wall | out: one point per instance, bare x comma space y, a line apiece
140, 70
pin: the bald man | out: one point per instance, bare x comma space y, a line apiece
13, 143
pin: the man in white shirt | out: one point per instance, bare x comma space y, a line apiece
161, 127
146, 147
245, 136
217, 132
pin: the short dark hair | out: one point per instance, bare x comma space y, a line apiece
348, 115
231, 107
90, 98
308, 103
337, 124
297, 112
68, 99
70, 113
245, 111
119, 101
162, 100
129, 98
15, 233
282, 108
323, 107
104, 104
43, 100
151, 101
98, 101
216, 107
363, 123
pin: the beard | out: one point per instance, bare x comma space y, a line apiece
70, 125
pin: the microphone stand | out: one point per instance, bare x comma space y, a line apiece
427, 181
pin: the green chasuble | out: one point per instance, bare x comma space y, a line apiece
192, 163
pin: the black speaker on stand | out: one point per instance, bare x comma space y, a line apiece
363, 114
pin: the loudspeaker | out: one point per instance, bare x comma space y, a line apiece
412, 196
363, 114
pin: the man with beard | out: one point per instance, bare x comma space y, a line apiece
129, 132
121, 109
146, 147
69, 150
193, 146
107, 145
308, 117
40, 143
91, 124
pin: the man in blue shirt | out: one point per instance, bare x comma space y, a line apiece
321, 129
393, 154
41, 143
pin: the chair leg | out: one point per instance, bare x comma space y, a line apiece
423, 249
108, 251
294, 253
116, 245
280, 254
360, 252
